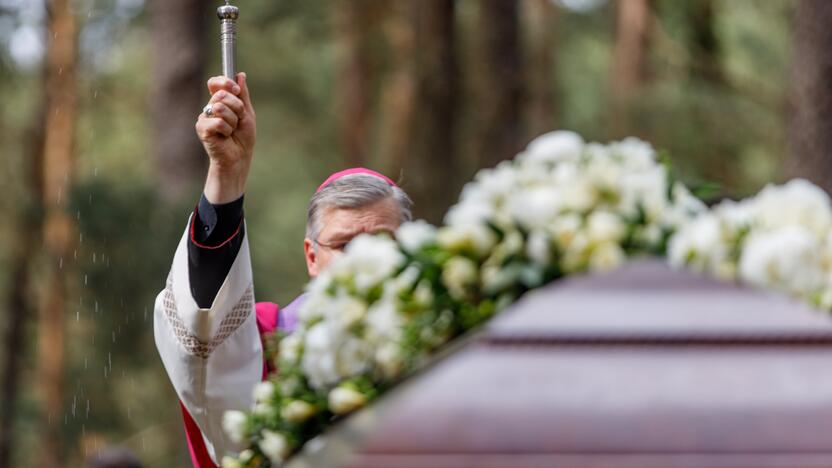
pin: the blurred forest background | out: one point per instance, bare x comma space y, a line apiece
101, 166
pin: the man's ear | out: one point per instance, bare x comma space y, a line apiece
311, 258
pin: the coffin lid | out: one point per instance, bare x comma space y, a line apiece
640, 367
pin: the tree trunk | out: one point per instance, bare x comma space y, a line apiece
431, 171
18, 310
501, 85
355, 22
21, 304
541, 18
58, 232
810, 126
706, 47
178, 93
398, 96
630, 69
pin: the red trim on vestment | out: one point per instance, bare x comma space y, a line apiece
196, 444
267, 315
209, 247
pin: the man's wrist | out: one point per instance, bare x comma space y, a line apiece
225, 184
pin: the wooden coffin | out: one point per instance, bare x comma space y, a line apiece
641, 367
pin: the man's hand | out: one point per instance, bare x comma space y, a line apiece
228, 137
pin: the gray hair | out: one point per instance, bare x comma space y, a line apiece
352, 192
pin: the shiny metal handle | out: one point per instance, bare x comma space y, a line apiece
228, 15
228, 40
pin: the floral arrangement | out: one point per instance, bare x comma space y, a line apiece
780, 239
562, 206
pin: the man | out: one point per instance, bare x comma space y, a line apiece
206, 324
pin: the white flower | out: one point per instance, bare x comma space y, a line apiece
264, 409
263, 391
403, 282
318, 361
415, 235
458, 274
735, 216
698, 245
297, 411
496, 183
496, 279
290, 347
383, 320
648, 190
469, 211
234, 423
344, 400
353, 357
799, 202
477, 238
389, 359
331, 355
538, 248
228, 462
578, 193
554, 147
348, 310
606, 256
685, 207
534, 207
368, 261
289, 385
565, 228
274, 446
423, 294
634, 153
603, 227
787, 259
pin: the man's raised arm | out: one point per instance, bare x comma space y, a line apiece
204, 322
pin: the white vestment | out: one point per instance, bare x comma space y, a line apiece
214, 356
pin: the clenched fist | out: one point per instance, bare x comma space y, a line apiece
228, 136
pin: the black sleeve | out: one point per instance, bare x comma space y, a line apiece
214, 241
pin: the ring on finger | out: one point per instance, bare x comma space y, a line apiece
208, 110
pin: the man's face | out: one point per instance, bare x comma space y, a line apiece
339, 226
